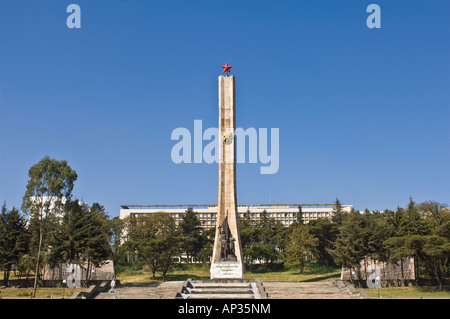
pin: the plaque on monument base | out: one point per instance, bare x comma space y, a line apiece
227, 270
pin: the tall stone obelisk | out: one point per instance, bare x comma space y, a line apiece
227, 260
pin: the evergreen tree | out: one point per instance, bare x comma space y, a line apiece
13, 240
208, 242
189, 228
67, 241
326, 232
117, 228
266, 248
299, 219
95, 244
351, 243
81, 238
436, 252
245, 221
415, 224
302, 246
337, 212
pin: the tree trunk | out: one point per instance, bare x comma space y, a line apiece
416, 270
438, 275
5, 277
42, 219
403, 276
37, 262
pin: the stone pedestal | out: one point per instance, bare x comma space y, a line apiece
227, 270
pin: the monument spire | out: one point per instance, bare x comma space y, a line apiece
227, 260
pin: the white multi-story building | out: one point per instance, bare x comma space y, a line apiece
284, 213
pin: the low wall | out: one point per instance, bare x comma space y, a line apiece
398, 283
24, 283
388, 272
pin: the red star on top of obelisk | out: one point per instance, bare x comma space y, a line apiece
226, 68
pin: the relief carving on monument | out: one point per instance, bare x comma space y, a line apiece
227, 249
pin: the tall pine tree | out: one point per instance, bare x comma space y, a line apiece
13, 240
189, 228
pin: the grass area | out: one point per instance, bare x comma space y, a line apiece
408, 292
183, 272
40, 292
312, 272
178, 274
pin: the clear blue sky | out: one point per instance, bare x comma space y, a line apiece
363, 113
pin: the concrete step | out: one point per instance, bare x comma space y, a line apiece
221, 290
215, 285
152, 290
305, 290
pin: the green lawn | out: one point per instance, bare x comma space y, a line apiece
40, 292
181, 273
311, 273
291, 274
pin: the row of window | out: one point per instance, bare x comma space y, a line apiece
252, 215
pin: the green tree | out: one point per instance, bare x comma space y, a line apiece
406, 228
299, 215
96, 241
246, 220
404, 247
117, 230
250, 235
436, 251
435, 212
208, 242
337, 212
268, 239
301, 247
189, 228
378, 232
433, 250
326, 232
25, 266
351, 243
415, 223
50, 181
13, 240
154, 239
81, 237
67, 241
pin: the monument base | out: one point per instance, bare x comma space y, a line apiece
227, 270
